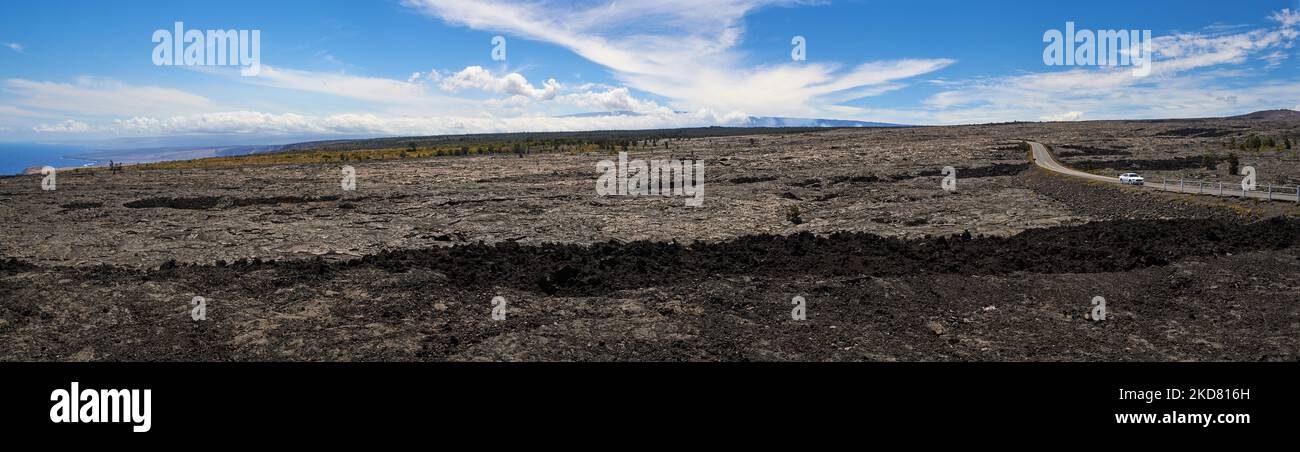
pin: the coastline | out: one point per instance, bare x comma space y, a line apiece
37, 169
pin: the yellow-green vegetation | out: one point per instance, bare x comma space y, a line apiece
342, 152
1240, 210
1256, 144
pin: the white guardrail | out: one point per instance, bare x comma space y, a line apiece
1262, 191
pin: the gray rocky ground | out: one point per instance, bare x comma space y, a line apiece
405, 267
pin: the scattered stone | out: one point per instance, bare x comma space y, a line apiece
936, 328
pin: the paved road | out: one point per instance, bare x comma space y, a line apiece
1045, 159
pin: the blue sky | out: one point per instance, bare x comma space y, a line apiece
84, 70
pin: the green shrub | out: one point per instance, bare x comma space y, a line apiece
794, 214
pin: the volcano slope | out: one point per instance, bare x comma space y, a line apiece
414, 264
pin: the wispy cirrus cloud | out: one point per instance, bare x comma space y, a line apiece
684, 51
665, 57
422, 91
15, 47
148, 110
100, 97
377, 90
1192, 75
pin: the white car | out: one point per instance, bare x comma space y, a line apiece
1130, 179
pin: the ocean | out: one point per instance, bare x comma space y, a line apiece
16, 157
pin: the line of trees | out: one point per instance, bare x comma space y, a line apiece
1256, 142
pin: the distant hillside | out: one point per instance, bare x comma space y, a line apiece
764, 121
1271, 115
770, 121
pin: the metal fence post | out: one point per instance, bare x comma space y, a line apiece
1200, 186
1270, 192
1180, 185
1220, 188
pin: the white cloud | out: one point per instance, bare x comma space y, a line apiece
1275, 59
421, 91
683, 55
1067, 116
475, 77
15, 47
682, 50
1287, 17
370, 89
329, 58
1192, 75
68, 126
614, 99
152, 110
12, 111
93, 96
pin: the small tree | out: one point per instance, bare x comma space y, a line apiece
1233, 162
1287, 143
1253, 142
1210, 160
